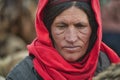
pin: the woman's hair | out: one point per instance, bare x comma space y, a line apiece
52, 11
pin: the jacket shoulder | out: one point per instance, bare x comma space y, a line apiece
103, 63
24, 71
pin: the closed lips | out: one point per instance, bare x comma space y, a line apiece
71, 48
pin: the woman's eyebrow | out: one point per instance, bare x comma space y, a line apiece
62, 22
81, 23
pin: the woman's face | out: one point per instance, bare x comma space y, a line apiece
71, 32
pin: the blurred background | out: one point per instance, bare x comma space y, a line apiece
17, 29
111, 23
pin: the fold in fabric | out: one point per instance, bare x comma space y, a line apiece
51, 66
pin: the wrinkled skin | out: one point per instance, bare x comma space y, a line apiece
71, 32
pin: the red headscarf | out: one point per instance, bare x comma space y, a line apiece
51, 66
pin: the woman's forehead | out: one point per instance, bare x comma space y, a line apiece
72, 14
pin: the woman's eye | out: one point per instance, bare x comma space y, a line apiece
61, 26
80, 25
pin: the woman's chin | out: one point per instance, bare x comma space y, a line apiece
71, 59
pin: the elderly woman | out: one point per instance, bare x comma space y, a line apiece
68, 44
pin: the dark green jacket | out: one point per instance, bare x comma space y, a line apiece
25, 70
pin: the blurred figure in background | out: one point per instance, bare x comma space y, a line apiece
111, 24
9, 43
23, 25
16, 30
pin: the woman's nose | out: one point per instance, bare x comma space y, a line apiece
71, 35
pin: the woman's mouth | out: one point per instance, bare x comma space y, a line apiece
72, 49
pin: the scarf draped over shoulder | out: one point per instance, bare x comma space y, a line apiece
51, 66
